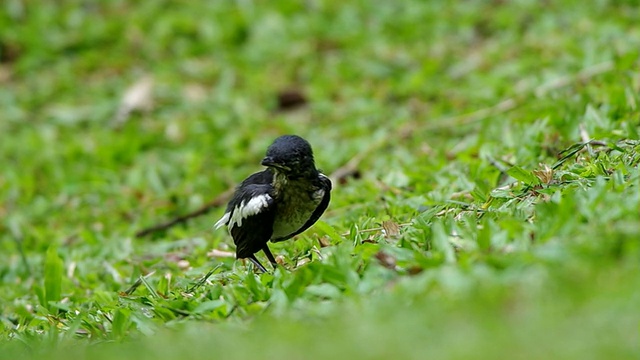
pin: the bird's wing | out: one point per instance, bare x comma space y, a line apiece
325, 185
250, 215
241, 194
251, 221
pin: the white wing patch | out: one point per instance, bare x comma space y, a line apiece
318, 195
223, 221
244, 210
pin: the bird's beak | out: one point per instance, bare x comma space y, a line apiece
270, 162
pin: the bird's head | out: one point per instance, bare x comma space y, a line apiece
291, 156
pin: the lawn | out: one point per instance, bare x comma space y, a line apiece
484, 156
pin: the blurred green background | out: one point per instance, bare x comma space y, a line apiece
469, 217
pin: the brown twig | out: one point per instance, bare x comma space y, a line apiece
352, 165
216, 202
376, 229
512, 102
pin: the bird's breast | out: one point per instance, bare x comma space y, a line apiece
295, 205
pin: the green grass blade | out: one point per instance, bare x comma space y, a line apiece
53, 268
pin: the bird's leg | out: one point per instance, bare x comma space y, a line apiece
270, 256
257, 263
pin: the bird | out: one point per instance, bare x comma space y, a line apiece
277, 203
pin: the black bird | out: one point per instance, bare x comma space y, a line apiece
278, 203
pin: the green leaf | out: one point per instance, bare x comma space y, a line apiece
632, 131
163, 285
329, 230
53, 268
523, 175
480, 193
568, 153
441, 242
39, 290
209, 306
327, 291
120, 323
484, 235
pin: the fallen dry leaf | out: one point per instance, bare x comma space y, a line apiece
194, 93
344, 177
324, 241
544, 174
385, 259
5, 73
291, 99
390, 229
138, 97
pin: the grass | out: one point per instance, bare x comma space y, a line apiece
490, 207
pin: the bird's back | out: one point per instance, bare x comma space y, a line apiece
242, 191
